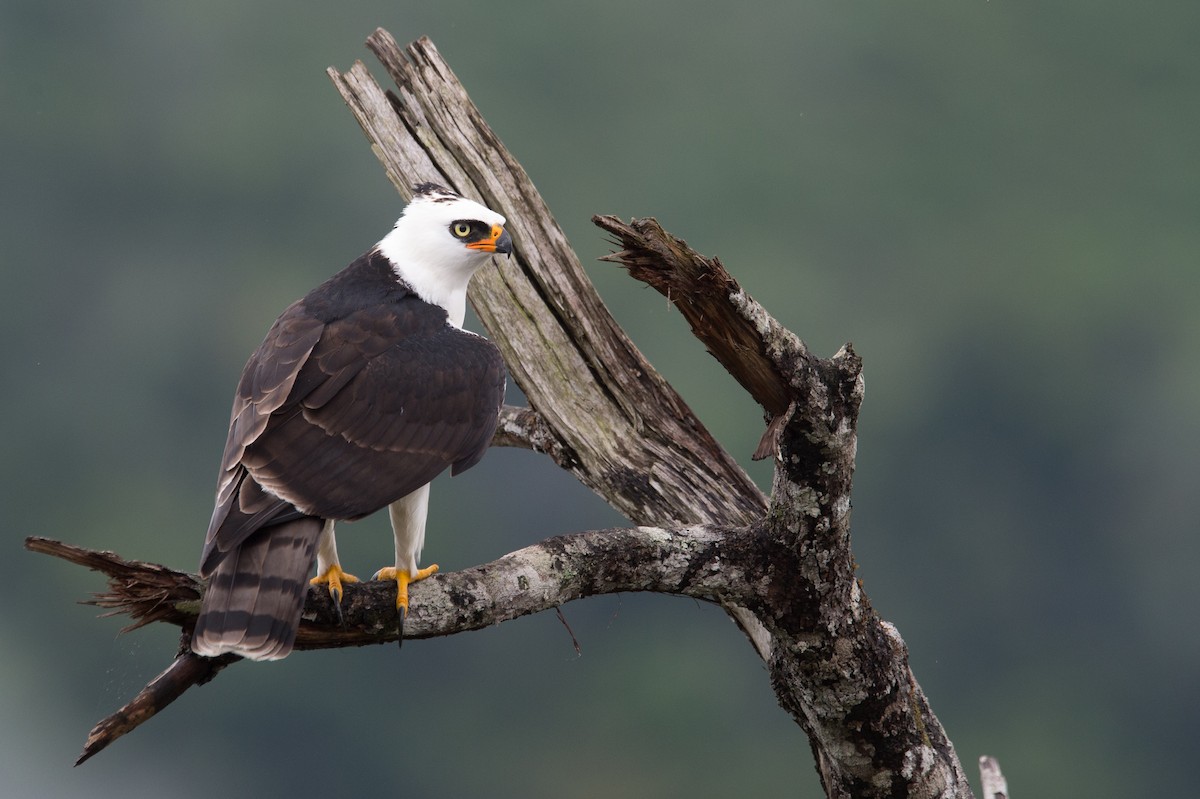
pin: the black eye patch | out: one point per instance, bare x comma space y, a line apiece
469, 231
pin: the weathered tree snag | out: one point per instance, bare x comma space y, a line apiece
579, 370
783, 569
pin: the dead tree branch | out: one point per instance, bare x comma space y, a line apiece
686, 561
783, 569
754, 348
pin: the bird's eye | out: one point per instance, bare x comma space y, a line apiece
461, 229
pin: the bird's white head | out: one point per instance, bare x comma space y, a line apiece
439, 242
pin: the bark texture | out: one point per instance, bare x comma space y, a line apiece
782, 568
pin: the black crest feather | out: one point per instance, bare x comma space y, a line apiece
438, 192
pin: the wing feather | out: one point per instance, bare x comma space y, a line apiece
269, 378
338, 417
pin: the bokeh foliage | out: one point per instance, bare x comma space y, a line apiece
996, 201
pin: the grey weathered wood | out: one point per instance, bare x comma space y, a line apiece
563, 348
783, 569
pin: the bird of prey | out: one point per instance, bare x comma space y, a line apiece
362, 392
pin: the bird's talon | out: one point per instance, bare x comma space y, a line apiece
333, 577
403, 577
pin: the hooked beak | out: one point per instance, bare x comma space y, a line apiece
499, 242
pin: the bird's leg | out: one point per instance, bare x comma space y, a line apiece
329, 570
403, 577
408, 516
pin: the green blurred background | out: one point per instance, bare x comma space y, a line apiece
997, 202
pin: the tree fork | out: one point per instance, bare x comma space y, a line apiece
782, 568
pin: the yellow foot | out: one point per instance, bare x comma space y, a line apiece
334, 577
403, 578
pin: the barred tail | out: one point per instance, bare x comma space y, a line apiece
254, 599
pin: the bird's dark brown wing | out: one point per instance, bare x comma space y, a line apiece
339, 418
266, 385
